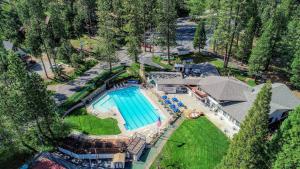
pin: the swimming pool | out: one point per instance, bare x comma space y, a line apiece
135, 108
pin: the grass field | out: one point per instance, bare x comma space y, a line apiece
158, 60
87, 42
89, 124
196, 144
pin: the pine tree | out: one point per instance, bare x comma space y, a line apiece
197, 7
28, 105
228, 17
200, 36
287, 142
108, 15
262, 52
133, 27
166, 24
295, 79
248, 147
247, 41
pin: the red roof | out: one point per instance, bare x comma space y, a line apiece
45, 163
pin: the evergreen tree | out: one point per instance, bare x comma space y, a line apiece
108, 16
166, 24
248, 147
133, 27
196, 7
200, 36
295, 79
287, 141
262, 52
225, 33
10, 23
148, 19
33, 16
27, 104
247, 41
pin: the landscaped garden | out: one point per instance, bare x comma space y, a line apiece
86, 123
196, 144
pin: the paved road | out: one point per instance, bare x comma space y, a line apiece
63, 91
184, 36
184, 39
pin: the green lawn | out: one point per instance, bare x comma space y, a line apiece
87, 42
158, 60
196, 144
89, 124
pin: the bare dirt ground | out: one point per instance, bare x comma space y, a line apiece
38, 68
297, 93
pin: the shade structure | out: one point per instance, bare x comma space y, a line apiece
173, 106
180, 104
168, 102
175, 99
176, 110
164, 97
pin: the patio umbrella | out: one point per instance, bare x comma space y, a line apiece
164, 97
172, 106
180, 104
175, 110
168, 102
175, 99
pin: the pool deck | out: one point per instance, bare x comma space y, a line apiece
217, 119
150, 131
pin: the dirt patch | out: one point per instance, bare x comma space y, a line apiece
297, 93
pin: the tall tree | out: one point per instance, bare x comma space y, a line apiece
245, 47
133, 27
197, 7
295, 79
109, 19
148, 19
287, 141
248, 147
225, 33
200, 36
166, 24
28, 105
263, 50
33, 17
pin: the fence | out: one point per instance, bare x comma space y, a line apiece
92, 95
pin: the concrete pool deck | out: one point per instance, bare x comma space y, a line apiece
150, 131
218, 120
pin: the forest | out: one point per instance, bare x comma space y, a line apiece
262, 35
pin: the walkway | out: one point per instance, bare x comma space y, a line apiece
63, 91
155, 151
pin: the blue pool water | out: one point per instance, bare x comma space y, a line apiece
134, 107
